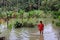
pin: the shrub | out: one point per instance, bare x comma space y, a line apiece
26, 24
56, 14
57, 23
53, 21
18, 25
9, 26
59, 17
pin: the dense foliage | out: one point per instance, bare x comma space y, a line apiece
29, 9
52, 5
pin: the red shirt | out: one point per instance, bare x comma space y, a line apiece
40, 26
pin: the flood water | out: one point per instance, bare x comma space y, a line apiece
50, 33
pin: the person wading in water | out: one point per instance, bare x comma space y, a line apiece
41, 27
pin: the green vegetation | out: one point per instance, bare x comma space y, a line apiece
56, 15
26, 11
10, 26
10, 5
58, 24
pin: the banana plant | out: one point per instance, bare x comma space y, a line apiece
21, 12
9, 14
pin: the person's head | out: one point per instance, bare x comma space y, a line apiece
40, 21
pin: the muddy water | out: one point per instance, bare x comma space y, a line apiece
50, 33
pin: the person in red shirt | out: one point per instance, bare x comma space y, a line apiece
41, 27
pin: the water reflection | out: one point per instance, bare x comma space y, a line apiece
41, 37
24, 36
31, 33
12, 35
2, 27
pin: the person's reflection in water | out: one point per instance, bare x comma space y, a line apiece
41, 37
